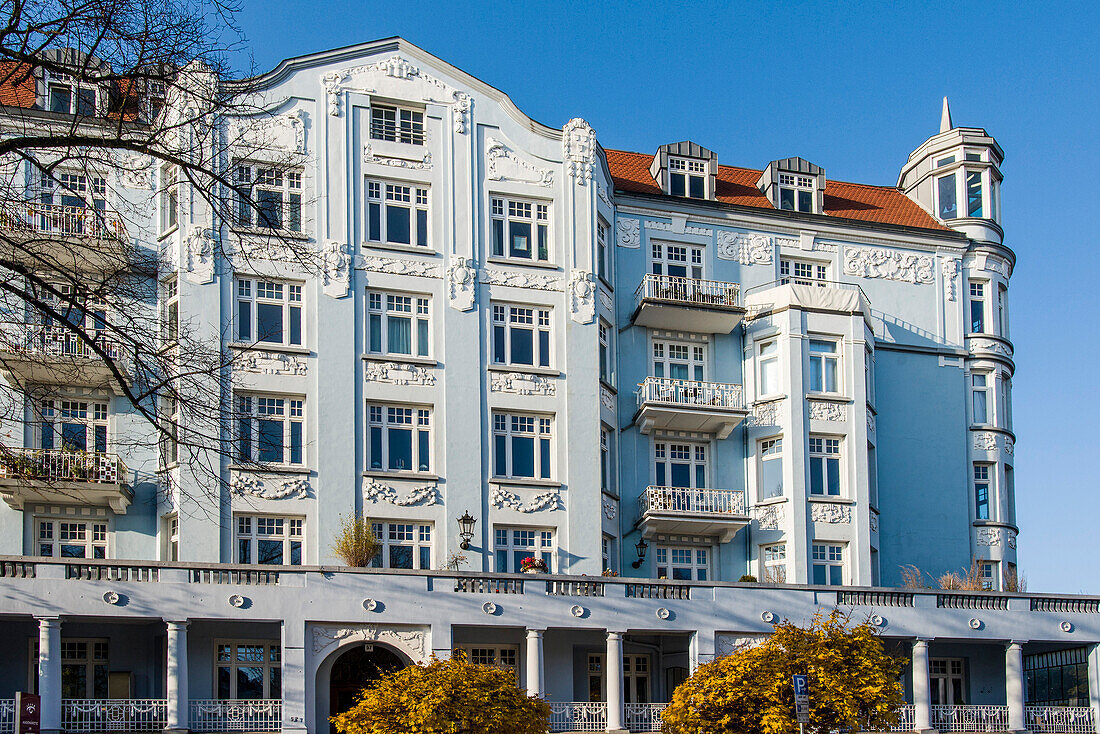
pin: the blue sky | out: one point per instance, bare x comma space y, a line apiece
853, 87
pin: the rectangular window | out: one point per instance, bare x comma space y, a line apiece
687, 177
520, 229
84, 666
522, 446
676, 260
869, 375
679, 360
770, 469
398, 324
269, 312
171, 302
268, 540
398, 438
403, 545
796, 193
397, 213
773, 563
825, 466
828, 564
521, 335
824, 366
268, 197
397, 124
170, 415
977, 307
607, 461
767, 359
71, 539
609, 556
504, 657
270, 429
979, 386
1006, 401
73, 425
682, 563
982, 486
1002, 313
170, 197
172, 533
682, 465
800, 272
512, 545
987, 574
607, 355
603, 254
248, 670
974, 194
948, 197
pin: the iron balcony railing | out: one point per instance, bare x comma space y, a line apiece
1060, 719
222, 715
114, 714
969, 718
669, 391
687, 501
688, 291
578, 716
643, 717
410, 133
53, 341
54, 465
64, 220
906, 715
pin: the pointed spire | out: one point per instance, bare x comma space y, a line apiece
945, 117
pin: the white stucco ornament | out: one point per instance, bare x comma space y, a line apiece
746, 249
872, 262
663, 613
461, 283
489, 607
578, 143
768, 617
521, 383
236, 601
370, 604
198, 249
877, 620
950, 270
111, 597
576, 610
1066, 626
270, 363
504, 164
411, 642
337, 269
582, 297
975, 623
378, 492
629, 232
549, 500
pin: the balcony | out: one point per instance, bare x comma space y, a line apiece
676, 303
969, 718
64, 221
685, 405
809, 294
223, 715
50, 475
116, 715
680, 510
54, 355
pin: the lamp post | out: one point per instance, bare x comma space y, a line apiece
641, 547
466, 530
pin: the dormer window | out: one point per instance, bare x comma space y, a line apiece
796, 193
397, 124
68, 96
687, 177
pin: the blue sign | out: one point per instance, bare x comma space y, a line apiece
801, 685
801, 698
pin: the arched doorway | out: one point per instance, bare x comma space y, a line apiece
354, 670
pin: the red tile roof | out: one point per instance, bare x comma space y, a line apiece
882, 204
16, 84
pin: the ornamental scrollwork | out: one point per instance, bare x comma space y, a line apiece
378, 492
872, 262
549, 500
833, 514
629, 232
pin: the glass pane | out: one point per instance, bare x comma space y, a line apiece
523, 456
295, 325
61, 98
276, 689
835, 573
974, 194
425, 557
980, 413
376, 332
401, 556
681, 574
676, 184
815, 374
74, 680
697, 187
771, 478
830, 375
224, 690
805, 201
269, 322
270, 204
422, 227
519, 237
544, 458
422, 337
522, 346
786, 199
250, 682
681, 475
500, 449
498, 345
85, 102
72, 551
819, 574
423, 452
376, 447
244, 551
74, 436
295, 443
833, 467
498, 238
400, 449
816, 478
270, 552
244, 321
398, 226
399, 335
270, 440
296, 553
977, 316
374, 222
948, 207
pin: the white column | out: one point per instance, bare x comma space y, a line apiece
49, 673
1014, 685
1094, 680
295, 694
615, 682
922, 690
534, 662
177, 677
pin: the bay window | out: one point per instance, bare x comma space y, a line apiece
828, 564
248, 670
268, 197
270, 429
71, 538
980, 405
398, 438
824, 466
397, 213
773, 563
403, 545
521, 335
522, 446
767, 360
770, 470
398, 324
520, 229
982, 485
824, 365
511, 545
269, 312
268, 540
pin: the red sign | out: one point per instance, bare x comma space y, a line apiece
28, 713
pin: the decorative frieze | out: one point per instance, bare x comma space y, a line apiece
505, 165
872, 262
769, 517
549, 500
831, 513
270, 488
950, 269
629, 232
270, 363
493, 276
988, 536
606, 302
378, 492
765, 414
728, 644
336, 272
873, 521
823, 410
412, 643
747, 249
521, 383
198, 248
398, 266
607, 399
985, 441
990, 345
286, 132
582, 297
578, 143
417, 164
398, 373
461, 283
135, 170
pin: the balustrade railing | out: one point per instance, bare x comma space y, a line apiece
658, 591
1060, 719
54, 341
7, 715
62, 220
558, 587
687, 501
260, 714
578, 716
115, 714
54, 465
643, 717
689, 393
689, 291
969, 718
906, 714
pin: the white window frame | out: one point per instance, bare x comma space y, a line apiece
55, 412
607, 460
824, 360
603, 251
169, 197
256, 183
802, 190
828, 555
608, 554
285, 529
668, 559
98, 653
506, 540
255, 292
271, 664
803, 272
988, 576
693, 454
826, 452
51, 533
415, 308
397, 124
172, 537
607, 354
414, 535
383, 420
412, 198
506, 211
1002, 310
669, 353
678, 256
869, 375
75, 87
691, 171
1005, 408
512, 425
768, 450
502, 657
508, 319
765, 362
255, 408
976, 297
171, 301
773, 563
985, 392
984, 476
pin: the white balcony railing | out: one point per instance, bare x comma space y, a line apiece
62, 220
688, 291
643, 717
970, 718
53, 341
260, 714
121, 715
1060, 719
906, 714
689, 501
7, 715
53, 465
668, 391
578, 716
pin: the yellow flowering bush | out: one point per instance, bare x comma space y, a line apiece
854, 684
446, 697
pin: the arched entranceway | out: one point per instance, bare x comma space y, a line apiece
354, 670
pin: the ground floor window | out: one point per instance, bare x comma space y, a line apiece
773, 563
71, 538
636, 688
84, 666
948, 681
249, 669
512, 545
269, 540
505, 657
1058, 678
403, 545
683, 563
828, 564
